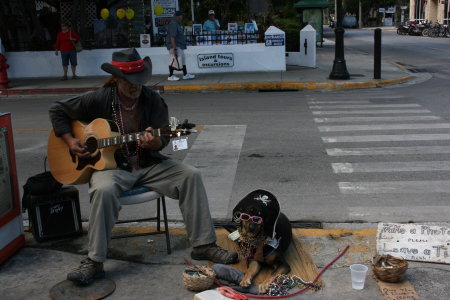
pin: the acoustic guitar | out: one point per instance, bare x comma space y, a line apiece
102, 139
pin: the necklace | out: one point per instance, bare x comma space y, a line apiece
247, 245
119, 121
129, 108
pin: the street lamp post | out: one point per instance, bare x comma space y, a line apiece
339, 70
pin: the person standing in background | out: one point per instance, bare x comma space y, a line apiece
212, 24
176, 44
65, 42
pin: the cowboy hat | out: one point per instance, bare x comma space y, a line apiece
127, 64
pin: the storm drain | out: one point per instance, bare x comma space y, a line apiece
306, 224
418, 70
277, 90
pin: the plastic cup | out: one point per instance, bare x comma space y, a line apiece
358, 276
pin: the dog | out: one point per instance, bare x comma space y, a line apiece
265, 235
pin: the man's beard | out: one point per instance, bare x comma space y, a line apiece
131, 91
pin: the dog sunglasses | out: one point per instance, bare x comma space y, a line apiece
255, 219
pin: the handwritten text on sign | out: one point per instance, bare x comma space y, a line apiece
414, 241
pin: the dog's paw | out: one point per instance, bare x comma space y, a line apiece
245, 282
263, 287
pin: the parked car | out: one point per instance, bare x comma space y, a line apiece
349, 22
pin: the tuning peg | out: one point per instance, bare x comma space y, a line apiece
187, 125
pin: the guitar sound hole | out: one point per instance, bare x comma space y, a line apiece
91, 144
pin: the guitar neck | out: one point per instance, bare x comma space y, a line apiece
123, 139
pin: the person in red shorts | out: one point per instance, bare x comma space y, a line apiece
65, 42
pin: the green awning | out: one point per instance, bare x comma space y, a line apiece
313, 4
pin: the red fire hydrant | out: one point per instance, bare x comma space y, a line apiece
3, 75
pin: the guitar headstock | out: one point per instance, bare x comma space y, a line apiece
177, 129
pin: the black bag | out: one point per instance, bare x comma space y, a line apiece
40, 184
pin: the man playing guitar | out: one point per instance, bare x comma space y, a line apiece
133, 107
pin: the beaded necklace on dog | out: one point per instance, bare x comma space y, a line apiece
247, 245
283, 283
117, 114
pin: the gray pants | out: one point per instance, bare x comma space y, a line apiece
173, 179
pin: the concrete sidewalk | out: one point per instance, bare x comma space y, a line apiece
141, 268
359, 66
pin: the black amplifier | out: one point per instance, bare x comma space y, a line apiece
55, 215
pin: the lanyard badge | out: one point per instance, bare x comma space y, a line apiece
179, 143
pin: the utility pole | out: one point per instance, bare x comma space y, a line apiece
360, 15
339, 70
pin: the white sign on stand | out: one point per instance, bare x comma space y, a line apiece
419, 242
162, 13
145, 41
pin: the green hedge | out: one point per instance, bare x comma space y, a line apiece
292, 40
291, 27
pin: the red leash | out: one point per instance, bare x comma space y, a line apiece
230, 293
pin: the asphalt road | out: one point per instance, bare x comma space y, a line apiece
343, 156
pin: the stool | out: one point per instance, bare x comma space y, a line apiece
141, 194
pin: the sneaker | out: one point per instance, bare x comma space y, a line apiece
75, 77
215, 254
86, 272
188, 76
64, 78
173, 78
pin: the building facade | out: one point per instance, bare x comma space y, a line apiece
431, 10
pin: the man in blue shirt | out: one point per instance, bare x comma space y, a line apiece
212, 24
176, 44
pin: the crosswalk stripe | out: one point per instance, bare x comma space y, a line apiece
423, 213
389, 150
391, 166
373, 119
370, 105
402, 187
386, 138
362, 95
387, 97
383, 127
215, 153
371, 112
339, 101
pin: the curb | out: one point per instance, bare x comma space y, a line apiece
313, 232
286, 86
226, 87
56, 91
8, 92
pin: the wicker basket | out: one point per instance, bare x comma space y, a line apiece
389, 268
198, 278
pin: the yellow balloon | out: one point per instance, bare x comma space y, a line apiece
129, 14
120, 13
159, 10
104, 13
